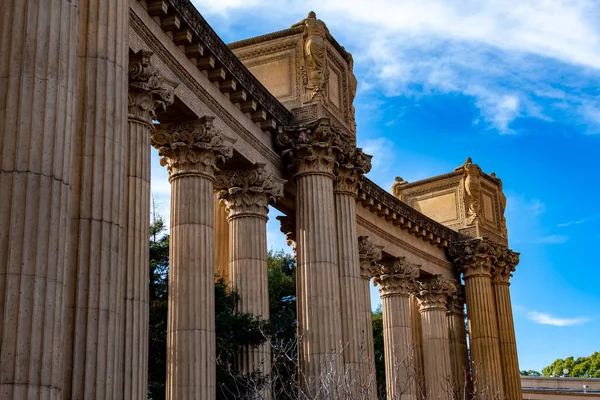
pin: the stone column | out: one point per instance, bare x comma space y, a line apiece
95, 258
246, 194
417, 334
191, 151
432, 296
310, 150
147, 95
369, 256
459, 353
396, 281
221, 242
475, 259
353, 164
37, 81
503, 269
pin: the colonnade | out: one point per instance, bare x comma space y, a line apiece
76, 117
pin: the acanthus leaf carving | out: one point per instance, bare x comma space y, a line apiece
433, 292
397, 277
310, 148
353, 164
369, 256
478, 256
148, 92
192, 147
288, 228
248, 190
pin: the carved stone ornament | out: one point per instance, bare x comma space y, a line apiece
397, 187
505, 265
288, 228
456, 302
476, 257
310, 148
352, 166
248, 190
502, 200
433, 292
397, 278
192, 147
315, 53
471, 187
148, 93
369, 255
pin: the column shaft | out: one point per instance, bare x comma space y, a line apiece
459, 355
191, 320
221, 242
357, 354
508, 343
250, 279
400, 371
137, 224
37, 79
366, 315
319, 317
95, 255
436, 354
485, 346
417, 334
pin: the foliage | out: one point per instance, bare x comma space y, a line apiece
157, 341
582, 367
530, 373
377, 318
282, 303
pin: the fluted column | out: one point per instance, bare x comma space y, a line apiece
369, 256
432, 296
503, 269
37, 81
417, 335
353, 164
310, 150
396, 281
475, 258
221, 242
95, 256
246, 194
191, 151
459, 353
147, 94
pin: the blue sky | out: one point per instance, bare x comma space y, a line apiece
512, 84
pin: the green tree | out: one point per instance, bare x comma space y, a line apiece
530, 373
157, 341
377, 319
582, 367
282, 304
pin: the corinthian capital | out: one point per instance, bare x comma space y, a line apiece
369, 255
505, 265
475, 257
353, 164
433, 292
456, 302
147, 90
193, 147
248, 191
397, 278
310, 148
288, 228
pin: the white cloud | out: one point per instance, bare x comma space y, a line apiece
547, 319
508, 55
383, 151
565, 224
553, 239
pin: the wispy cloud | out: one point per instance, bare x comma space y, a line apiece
579, 221
552, 239
547, 319
508, 56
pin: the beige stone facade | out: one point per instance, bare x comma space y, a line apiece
264, 121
